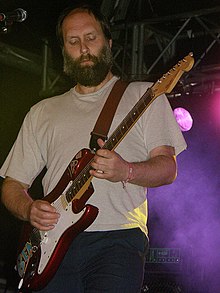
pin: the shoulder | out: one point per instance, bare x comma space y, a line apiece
141, 84
58, 99
50, 104
46, 108
138, 88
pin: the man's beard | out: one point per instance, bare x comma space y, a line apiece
89, 75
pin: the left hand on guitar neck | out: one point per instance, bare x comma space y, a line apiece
109, 165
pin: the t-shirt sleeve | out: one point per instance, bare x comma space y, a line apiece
24, 161
161, 127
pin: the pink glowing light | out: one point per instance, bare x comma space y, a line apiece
183, 118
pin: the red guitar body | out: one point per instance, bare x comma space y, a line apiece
42, 252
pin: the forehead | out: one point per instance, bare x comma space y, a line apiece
79, 22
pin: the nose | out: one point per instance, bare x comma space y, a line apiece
84, 49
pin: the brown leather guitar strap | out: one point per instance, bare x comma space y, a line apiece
105, 118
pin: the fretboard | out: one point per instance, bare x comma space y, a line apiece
129, 121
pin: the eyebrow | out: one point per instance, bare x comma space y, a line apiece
93, 32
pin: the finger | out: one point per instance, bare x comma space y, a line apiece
44, 221
97, 164
42, 217
44, 209
100, 142
98, 174
46, 206
103, 154
39, 226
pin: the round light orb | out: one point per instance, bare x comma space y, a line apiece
183, 118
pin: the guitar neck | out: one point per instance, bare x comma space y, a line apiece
129, 121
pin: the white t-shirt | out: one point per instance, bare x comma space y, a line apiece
55, 129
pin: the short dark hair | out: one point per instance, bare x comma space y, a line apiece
87, 8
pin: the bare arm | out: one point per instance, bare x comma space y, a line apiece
159, 170
16, 199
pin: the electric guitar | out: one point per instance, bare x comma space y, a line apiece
42, 252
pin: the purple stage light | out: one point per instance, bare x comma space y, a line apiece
183, 118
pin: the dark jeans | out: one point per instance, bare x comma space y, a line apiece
96, 262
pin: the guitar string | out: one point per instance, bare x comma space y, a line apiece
129, 120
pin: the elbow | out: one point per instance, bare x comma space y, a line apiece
171, 178
3, 196
172, 174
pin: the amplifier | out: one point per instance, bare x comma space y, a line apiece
164, 255
165, 271
166, 260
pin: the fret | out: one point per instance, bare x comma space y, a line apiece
78, 183
69, 195
129, 121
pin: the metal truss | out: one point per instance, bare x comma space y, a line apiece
146, 48
141, 50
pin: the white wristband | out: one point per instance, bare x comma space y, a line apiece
130, 174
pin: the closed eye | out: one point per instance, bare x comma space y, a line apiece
73, 41
90, 37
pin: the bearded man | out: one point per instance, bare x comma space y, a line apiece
109, 255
